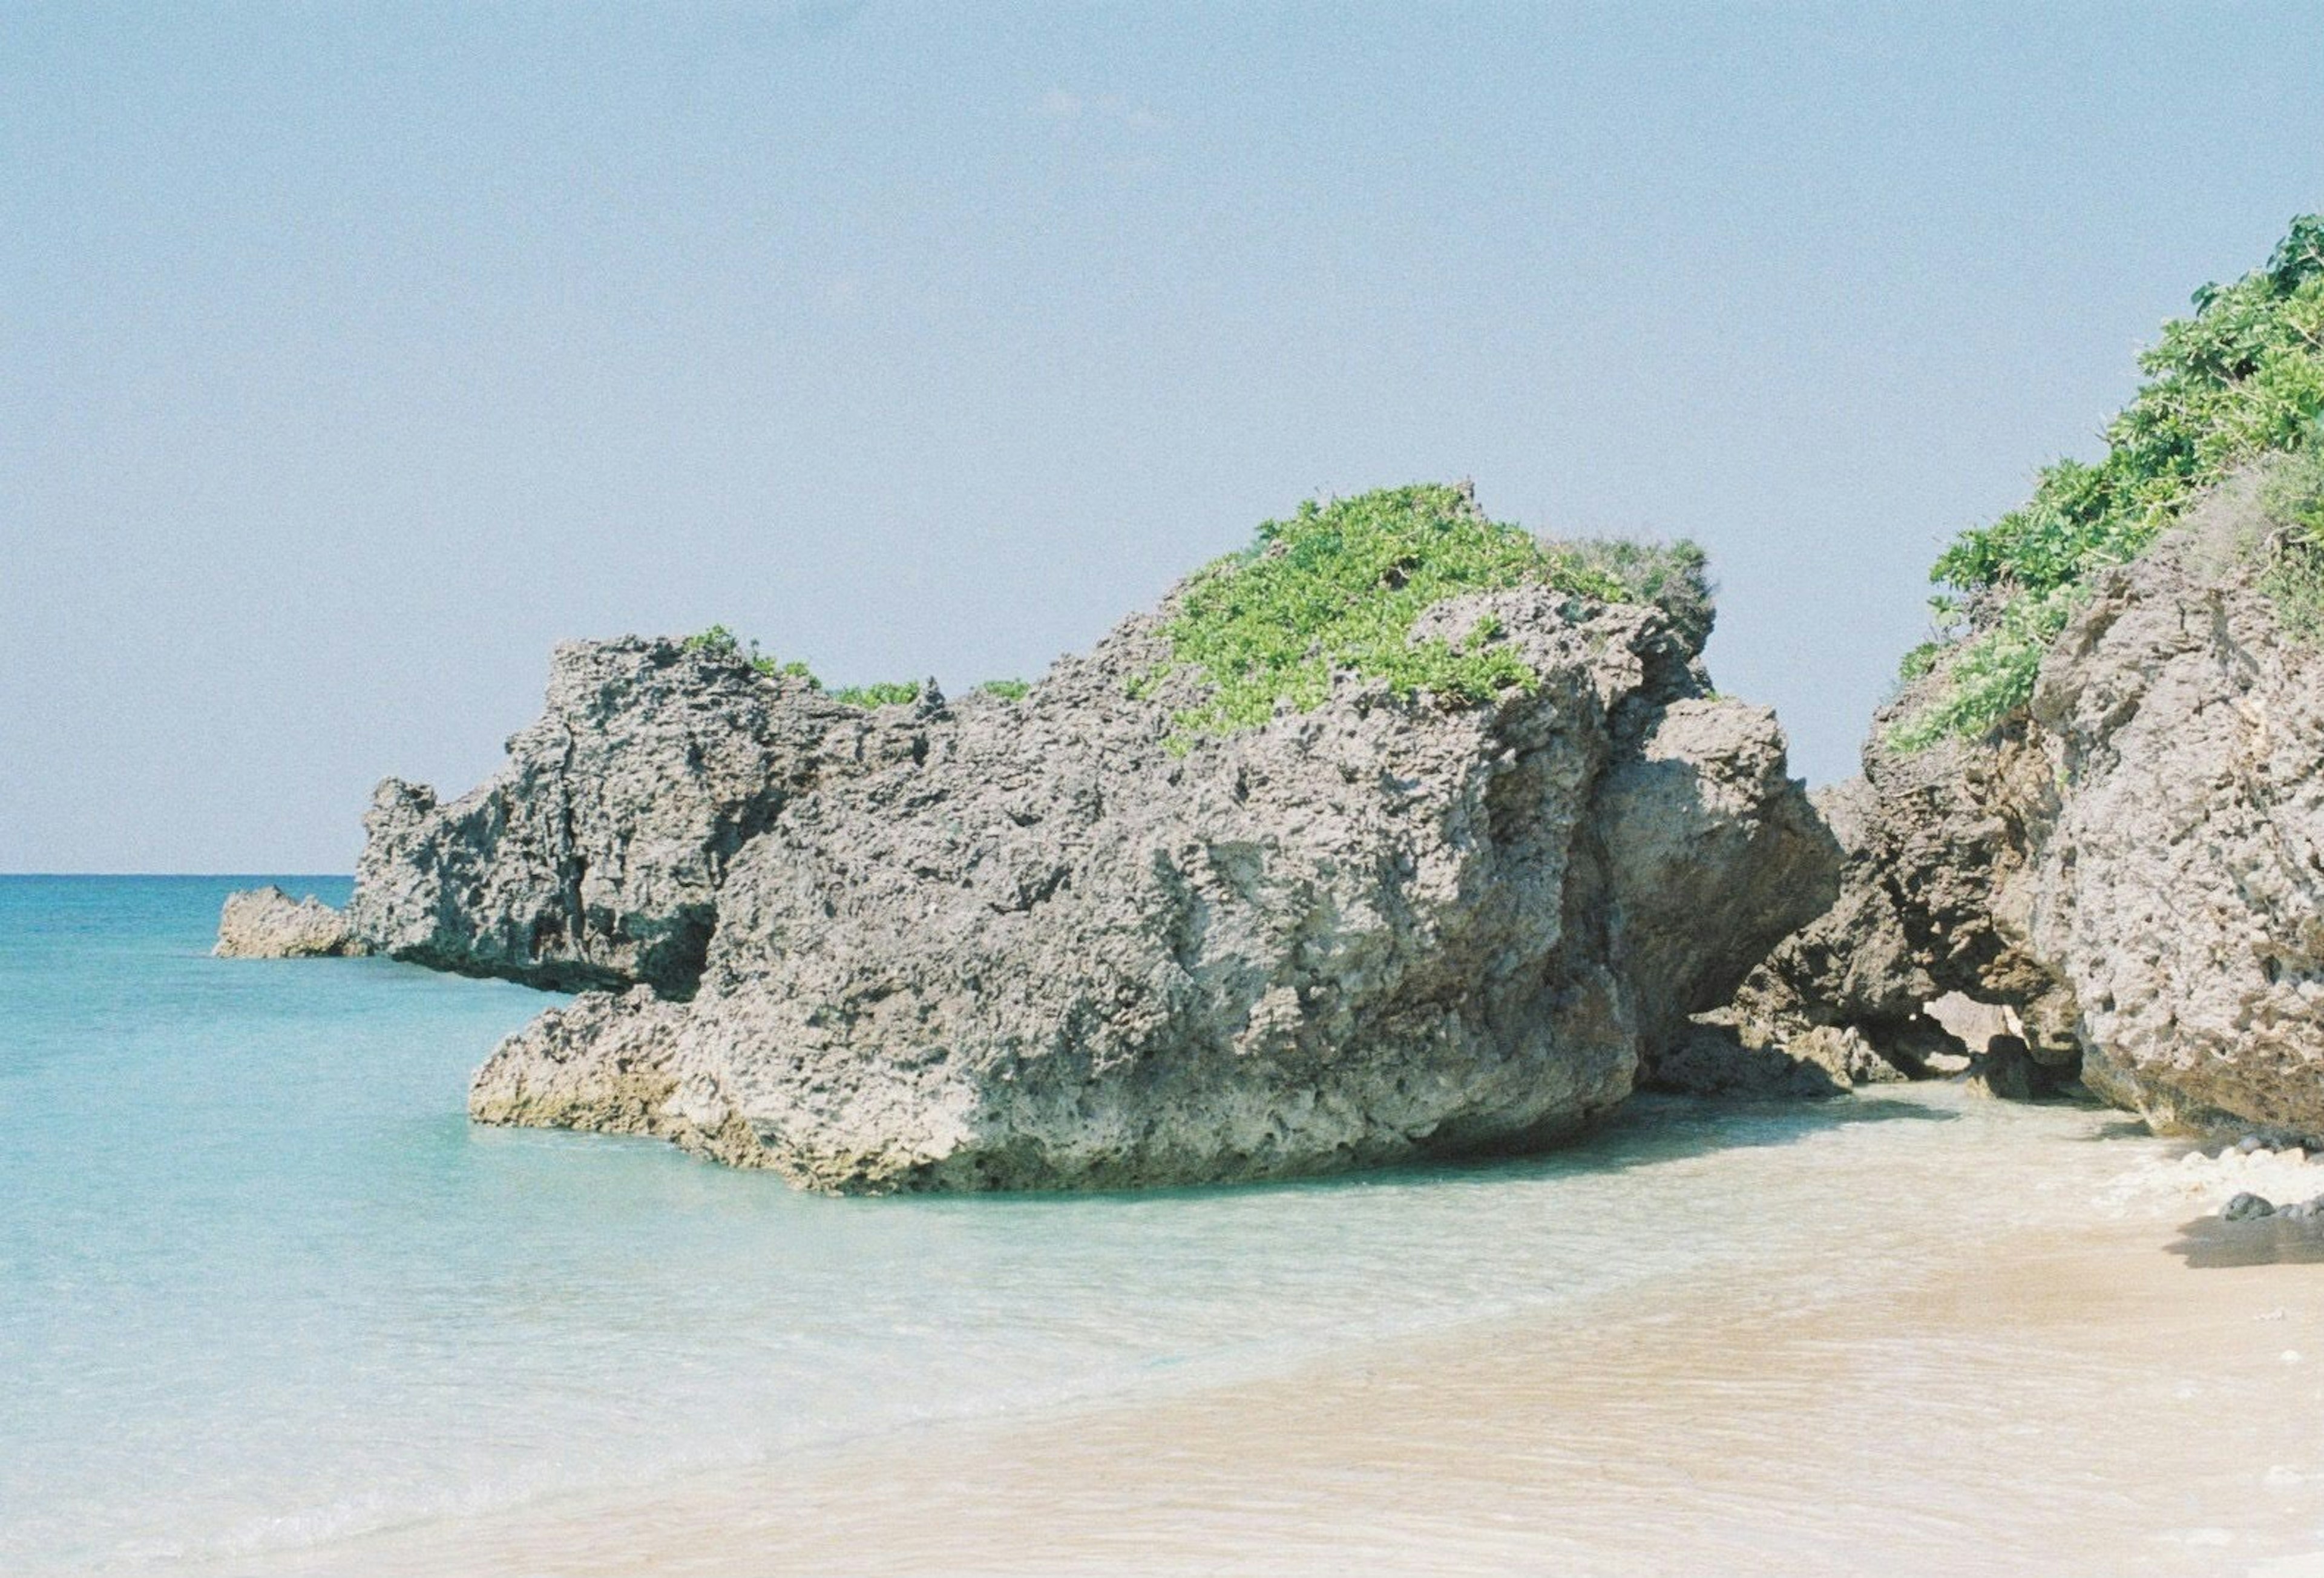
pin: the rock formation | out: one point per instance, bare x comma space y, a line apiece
267, 923
1054, 942
2133, 866
595, 857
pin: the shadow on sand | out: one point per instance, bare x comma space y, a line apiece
1648, 1128
2210, 1243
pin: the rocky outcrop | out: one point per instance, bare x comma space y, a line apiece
1050, 943
2176, 887
2132, 867
267, 923
595, 857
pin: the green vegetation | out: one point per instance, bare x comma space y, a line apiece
1339, 584
885, 693
2242, 377
725, 644
1917, 663
2292, 505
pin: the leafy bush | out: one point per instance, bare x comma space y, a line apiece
1006, 689
886, 693
1991, 675
1339, 584
2245, 375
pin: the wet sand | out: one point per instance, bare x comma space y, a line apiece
2114, 1398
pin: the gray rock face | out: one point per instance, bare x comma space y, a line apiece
593, 858
1039, 947
2247, 1208
267, 923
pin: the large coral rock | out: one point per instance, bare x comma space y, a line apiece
267, 923
1048, 948
2178, 885
594, 856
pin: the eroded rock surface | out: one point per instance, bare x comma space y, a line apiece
267, 923
594, 856
1040, 946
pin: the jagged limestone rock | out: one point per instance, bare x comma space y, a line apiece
594, 856
267, 923
1045, 948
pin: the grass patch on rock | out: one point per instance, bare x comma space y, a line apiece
720, 642
1339, 586
882, 692
2292, 551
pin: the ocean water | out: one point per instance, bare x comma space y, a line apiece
265, 1293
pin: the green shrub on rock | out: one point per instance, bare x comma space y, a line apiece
2242, 377
720, 642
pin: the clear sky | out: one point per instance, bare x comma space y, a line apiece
353, 355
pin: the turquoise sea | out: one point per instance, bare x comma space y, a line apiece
263, 1290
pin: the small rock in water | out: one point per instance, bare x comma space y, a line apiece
266, 923
2007, 1070
2247, 1208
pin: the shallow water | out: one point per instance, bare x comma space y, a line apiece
268, 1302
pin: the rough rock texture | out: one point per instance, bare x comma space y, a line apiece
267, 923
2134, 869
593, 858
2178, 883
1039, 947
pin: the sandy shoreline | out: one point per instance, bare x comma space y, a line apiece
2038, 1399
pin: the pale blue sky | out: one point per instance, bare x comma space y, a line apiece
354, 354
